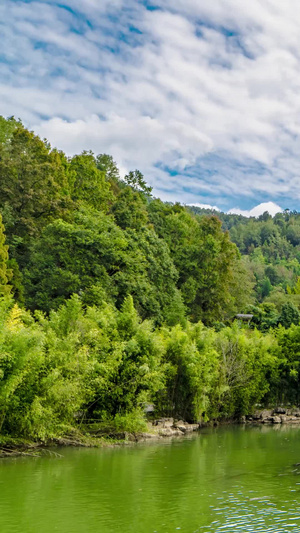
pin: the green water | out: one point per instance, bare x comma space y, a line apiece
222, 481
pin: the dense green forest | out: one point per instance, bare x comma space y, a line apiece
112, 299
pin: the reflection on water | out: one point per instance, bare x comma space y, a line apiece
221, 481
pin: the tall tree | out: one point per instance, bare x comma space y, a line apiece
89, 183
5, 273
136, 180
204, 256
34, 182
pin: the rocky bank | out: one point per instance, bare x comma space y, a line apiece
278, 415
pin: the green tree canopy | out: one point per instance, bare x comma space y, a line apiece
5, 273
34, 182
90, 185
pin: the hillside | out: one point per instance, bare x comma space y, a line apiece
112, 299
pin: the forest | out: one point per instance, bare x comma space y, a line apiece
112, 300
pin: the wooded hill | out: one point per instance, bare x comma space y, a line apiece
270, 250
111, 298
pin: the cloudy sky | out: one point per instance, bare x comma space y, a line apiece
202, 96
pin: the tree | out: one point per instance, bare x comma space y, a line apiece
247, 364
293, 234
90, 185
5, 273
7, 127
265, 316
136, 180
205, 258
129, 210
287, 388
192, 373
34, 183
96, 259
265, 287
289, 315
106, 164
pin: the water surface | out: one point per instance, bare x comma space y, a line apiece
222, 481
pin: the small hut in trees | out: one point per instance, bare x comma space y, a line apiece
244, 318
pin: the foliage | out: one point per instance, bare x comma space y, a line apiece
90, 185
34, 182
96, 259
79, 366
271, 247
206, 260
5, 273
248, 361
287, 387
135, 179
289, 315
132, 300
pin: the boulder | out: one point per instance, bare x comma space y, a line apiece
191, 427
266, 414
178, 423
185, 427
279, 411
267, 420
276, 419
294, 419
177, 432
255, 416
164, 422
166, 432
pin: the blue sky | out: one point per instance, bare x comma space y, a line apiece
202, 97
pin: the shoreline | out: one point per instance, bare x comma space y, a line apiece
158, 430
161, 429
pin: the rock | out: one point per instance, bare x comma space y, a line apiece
164, 422
283, 419
166, 432
276, 420
266, 414
177, 432
147, 435
192, 427
279, 411
262, 415
179, 423
255, 416
242, 420
185, 427
267, 420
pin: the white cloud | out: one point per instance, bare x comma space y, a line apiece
258, 210
206, 206
207, 90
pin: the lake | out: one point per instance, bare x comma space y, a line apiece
228, 479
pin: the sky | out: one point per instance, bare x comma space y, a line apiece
203, 97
